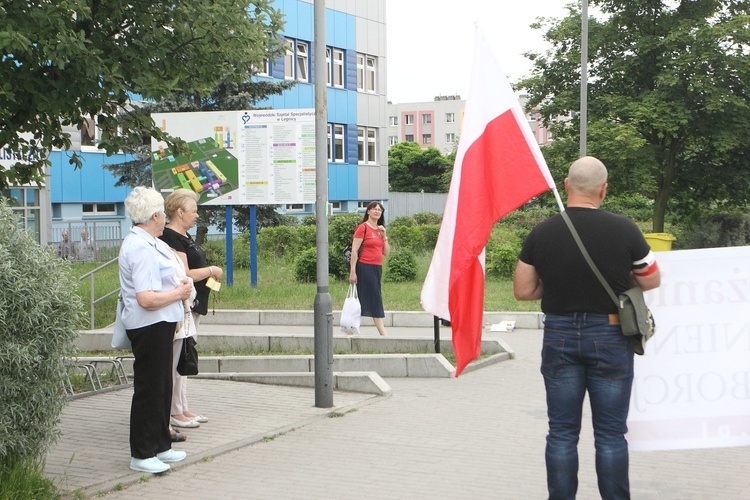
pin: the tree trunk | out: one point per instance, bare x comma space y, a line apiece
200, 235
664, 190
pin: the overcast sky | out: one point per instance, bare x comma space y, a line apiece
431, 42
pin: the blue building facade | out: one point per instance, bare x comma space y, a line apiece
86, 198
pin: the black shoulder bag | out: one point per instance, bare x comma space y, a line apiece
348, 250
636, 320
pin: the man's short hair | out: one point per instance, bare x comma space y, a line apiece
587, 175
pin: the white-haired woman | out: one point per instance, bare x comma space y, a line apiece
153, 304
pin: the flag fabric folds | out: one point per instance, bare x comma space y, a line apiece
499, 167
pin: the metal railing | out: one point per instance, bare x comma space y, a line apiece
93, 300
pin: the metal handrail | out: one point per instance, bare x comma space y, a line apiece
93, 301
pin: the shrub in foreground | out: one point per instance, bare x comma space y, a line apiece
40, 315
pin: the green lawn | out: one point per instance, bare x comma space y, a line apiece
277, 289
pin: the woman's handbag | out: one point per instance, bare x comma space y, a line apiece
120, 338
636, 320
188, 363
348, 250
351, 312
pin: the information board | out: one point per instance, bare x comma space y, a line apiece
250, 157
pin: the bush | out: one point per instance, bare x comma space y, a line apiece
305, 238
306, 266
401, 221
427, 218
280, 240
340, 234
527, 218
723, 229
501, 261
40, 314
402, 266
241, 251
633, 206
216, 254
406, 238
430, 234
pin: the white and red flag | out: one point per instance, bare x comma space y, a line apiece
498, 168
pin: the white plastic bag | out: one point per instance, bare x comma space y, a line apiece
351, 312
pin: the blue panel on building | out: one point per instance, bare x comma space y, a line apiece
90, 183
352, 155
350, 67
305, 21
343, 182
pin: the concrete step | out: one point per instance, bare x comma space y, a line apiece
406, 319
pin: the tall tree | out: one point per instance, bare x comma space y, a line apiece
67, 60
413, 169
676, 74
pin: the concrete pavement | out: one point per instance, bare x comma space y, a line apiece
478, 436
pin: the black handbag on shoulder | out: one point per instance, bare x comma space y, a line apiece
188, 363
348, 250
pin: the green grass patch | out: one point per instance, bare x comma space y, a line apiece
21, 479
277, 290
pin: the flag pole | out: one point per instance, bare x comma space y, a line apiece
559, 200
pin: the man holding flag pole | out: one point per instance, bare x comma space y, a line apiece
584, 350
499, 167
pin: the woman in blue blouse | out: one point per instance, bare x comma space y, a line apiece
153, 304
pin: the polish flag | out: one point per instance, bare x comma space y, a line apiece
498, 168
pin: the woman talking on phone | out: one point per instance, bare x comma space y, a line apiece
369, 245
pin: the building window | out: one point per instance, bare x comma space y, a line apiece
450, 138
366, 73
532, 117
409, 137
426, 118
393, 121
89, 132
24, 202
336, 147
335, 205
302, 61
264, 69
426, 138
295, 207
99, 209
329, 69
450, 117
366, 145
392, 139
289, 59
371, 70
335, 67
296, 60
338, 68
409, 119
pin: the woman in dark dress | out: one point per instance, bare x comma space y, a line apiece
367, 267
181, 207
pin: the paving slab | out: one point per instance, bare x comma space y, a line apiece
478, 436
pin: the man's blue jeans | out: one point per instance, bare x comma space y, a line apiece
583, 352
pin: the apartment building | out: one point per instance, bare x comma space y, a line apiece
438, 123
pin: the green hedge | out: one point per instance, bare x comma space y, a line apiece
40, 315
